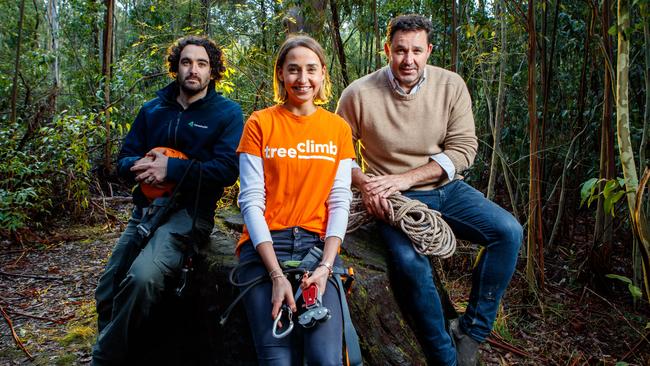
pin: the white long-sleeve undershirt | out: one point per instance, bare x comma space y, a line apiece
252, 199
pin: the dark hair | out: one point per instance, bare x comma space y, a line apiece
293, 41
408, 22
215, 55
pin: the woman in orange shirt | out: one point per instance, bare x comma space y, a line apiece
295, 162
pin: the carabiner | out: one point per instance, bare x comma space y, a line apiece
277, 319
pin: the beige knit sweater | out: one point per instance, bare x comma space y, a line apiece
396, 133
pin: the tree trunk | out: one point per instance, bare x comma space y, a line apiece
307, 17
603, 225
375, 16
444, 38
623, 121
14, 89
338, 42
582, 90
535, 245
205, 15
622, 105
498, 117
645, 12
454, 37
107, 60
53, 18
95, 24
384, 334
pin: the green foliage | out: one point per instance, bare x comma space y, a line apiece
612, 192
250, 32
635, 291
24, 189
53, 172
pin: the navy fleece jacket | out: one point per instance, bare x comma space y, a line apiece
208, 131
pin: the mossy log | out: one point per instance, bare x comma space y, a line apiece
187, 331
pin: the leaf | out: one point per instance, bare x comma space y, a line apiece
619, 277
587, 189
622, 363
635, 291
610, 186
612, 30
610, 202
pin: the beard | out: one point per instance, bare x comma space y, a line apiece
192, 88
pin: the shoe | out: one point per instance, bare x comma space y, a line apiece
466, 346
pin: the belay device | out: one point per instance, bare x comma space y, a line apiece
316, 312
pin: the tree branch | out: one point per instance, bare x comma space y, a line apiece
19, 343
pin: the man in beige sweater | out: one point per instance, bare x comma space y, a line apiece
415, 129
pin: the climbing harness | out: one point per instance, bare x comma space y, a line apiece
315, 311
155, 215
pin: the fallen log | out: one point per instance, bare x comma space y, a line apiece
187, 331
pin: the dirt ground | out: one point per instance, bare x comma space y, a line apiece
47, 285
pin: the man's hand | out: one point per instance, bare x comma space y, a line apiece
151, 169
375, 205
385, 185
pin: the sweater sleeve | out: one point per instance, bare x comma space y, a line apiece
252, 197
338, 202
460, 143
348, 108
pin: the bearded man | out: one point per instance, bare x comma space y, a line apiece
190, 117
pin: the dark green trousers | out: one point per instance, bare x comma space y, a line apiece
134, 281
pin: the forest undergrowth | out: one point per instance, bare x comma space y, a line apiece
47, 286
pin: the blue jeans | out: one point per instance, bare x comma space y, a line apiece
471, 217
319, 345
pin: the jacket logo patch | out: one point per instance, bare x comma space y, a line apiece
192, 124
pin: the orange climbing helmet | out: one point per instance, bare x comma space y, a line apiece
166, 188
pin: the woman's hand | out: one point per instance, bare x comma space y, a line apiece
319, 277
281, 293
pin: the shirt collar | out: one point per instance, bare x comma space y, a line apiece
395, 83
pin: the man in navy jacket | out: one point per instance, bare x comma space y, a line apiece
190, 117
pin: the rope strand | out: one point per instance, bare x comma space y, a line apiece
429, 233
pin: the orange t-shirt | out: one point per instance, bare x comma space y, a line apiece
300, 155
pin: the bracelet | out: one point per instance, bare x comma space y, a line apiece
273, 271
276, 276
328, 266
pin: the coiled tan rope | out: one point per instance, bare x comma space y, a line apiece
429, 233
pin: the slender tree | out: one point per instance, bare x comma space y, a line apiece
623, 106
338, 42
602, 239
53, 20
107, 60
645, 16
375, 17
535, 245
454, 37
498, 118
14, 88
